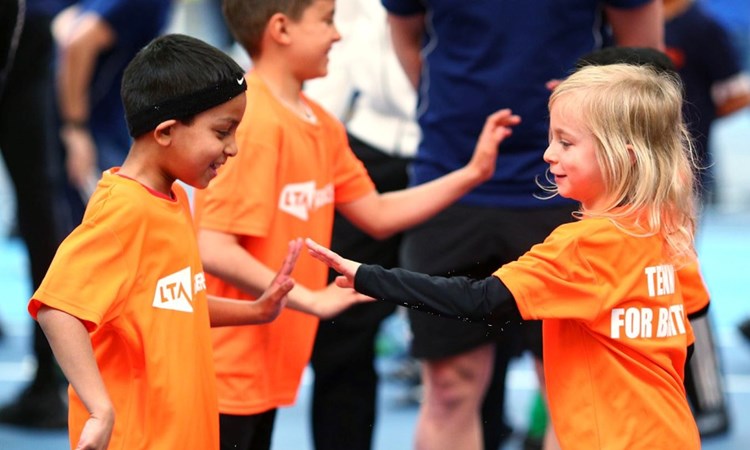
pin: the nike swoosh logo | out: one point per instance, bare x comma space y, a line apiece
240, 81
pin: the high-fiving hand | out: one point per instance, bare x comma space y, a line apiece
273, 299
346, 267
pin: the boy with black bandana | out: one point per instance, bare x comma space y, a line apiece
124, 304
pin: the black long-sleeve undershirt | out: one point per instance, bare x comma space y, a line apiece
463, 298
487, 300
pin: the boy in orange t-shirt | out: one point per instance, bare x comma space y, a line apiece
124, 302
294, 168
614, 288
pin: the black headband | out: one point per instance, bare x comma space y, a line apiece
185, 105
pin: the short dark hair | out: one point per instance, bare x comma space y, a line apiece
247, 19
171, 70
637, 56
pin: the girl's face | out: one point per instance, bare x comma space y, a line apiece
571, 155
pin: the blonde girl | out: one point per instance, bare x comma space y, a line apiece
609, 287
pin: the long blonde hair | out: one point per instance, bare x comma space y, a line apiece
646, 155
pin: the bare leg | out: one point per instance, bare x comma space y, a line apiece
454, 389
550, 438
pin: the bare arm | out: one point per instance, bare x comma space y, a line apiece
731, 95
399, 210
642, 26
71, 345
406, 34
80, 39
223, 256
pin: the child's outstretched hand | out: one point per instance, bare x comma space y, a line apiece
346, 267
283, 279
497, 127
274, 298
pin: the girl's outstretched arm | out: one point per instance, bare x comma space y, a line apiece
486, 300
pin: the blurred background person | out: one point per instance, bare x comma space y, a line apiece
95, 41
716, 86
30, 148
368, 90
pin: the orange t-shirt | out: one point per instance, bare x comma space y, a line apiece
694, 291
131, 272
283, 184
615, 336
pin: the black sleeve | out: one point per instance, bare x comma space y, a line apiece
700, 313
690, 351
487, 300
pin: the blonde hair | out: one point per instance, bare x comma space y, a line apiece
646, 155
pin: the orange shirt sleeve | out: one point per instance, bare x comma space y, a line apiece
555, 280
351, 179
89, 272
694, 292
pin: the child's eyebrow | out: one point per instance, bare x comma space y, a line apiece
229, 120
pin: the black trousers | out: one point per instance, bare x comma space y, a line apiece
704, 382
345, 385
253, 432
30, 148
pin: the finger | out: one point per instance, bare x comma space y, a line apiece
507, 120
297, 243
291, 257
362, 298
320, 252
287, 285
504, 116
495, 121
343, 282
314, 246
502, 133
278, 291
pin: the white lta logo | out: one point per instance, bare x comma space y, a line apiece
298, 199
175, 292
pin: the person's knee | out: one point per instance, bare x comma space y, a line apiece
457, 383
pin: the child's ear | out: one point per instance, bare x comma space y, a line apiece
163, 132
277, 28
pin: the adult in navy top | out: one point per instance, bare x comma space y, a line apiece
709, 66
482, 54
96, 40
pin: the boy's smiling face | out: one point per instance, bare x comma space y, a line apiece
200, 148
311, 39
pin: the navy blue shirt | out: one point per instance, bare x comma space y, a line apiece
48, 8
703, 54
483, 55
135, 23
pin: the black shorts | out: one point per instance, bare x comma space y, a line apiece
474, 241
